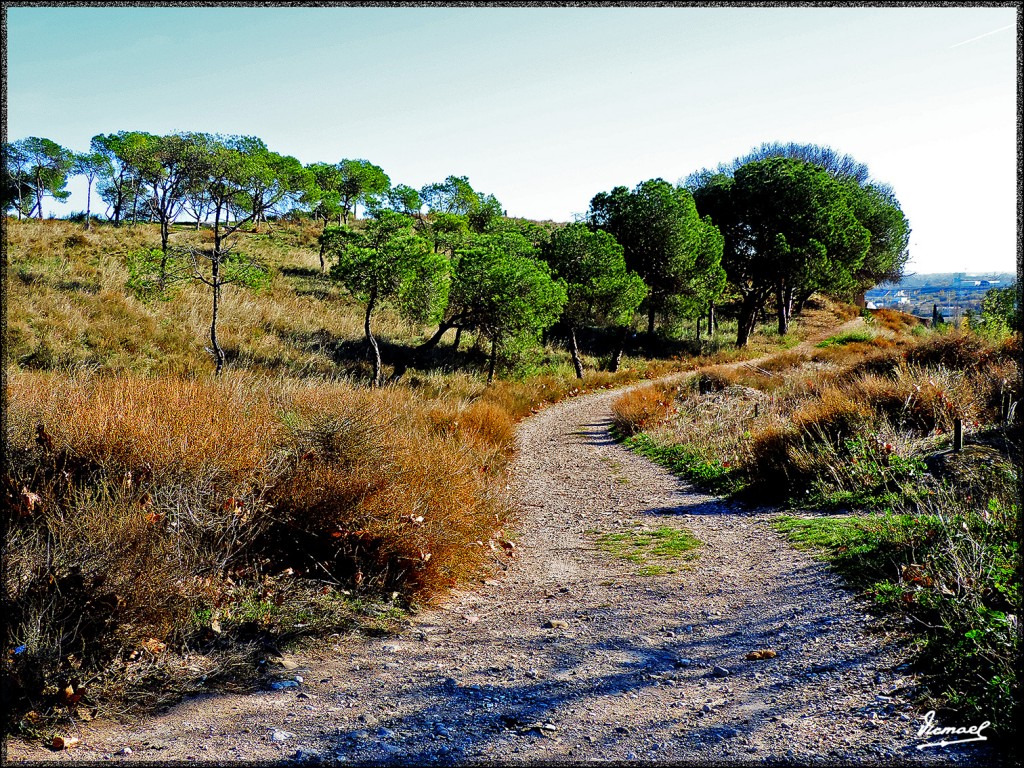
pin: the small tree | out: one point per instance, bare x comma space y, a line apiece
222, 171
323, 198
17, 184
47, 166
600, 290
91, 165
387, 262
507, 294
121, 184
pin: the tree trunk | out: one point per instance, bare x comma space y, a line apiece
616, 359
165, 236
494, 358
323, 246
372, 341
39, 193
711, 319
749, 310
650, 321
432, 342
699, 318
215, 270
88, 206
575, 350
458, 338
780, 310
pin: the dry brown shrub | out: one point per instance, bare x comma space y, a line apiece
717, 378
783, 361
833, 415
894, 320
641, 408
489, 424
954, 349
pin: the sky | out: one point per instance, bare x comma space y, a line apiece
545, 107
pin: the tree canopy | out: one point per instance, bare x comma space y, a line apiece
662, 236
599, 288
788, 228
387, 261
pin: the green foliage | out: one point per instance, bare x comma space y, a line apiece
999, 310
711, 474
850, 337
663, 239
144, 274
502, 290
955, 574
387, 261
599, 288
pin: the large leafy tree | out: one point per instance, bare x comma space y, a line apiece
599, 288
361, 183
47, 165
505, 292
274, 182
661, 234
387, 261
873, 203
787, 227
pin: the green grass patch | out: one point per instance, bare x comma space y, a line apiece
850, 337
954, 574
713, 475
643, 546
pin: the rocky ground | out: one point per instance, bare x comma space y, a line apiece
571, 655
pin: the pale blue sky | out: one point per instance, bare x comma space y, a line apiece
546, 107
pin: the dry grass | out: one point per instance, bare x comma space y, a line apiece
847, 418
894, 320
139, 501
642, 408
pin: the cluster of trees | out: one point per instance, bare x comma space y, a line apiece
796, 219
783, 222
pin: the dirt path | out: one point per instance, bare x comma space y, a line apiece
631, 675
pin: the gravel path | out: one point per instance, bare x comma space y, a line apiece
629, 675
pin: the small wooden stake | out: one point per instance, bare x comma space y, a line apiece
958, 435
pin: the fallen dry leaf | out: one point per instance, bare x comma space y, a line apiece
764, 653
64, 742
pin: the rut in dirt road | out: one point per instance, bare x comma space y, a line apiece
627, 672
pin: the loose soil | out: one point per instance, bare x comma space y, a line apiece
635, 667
